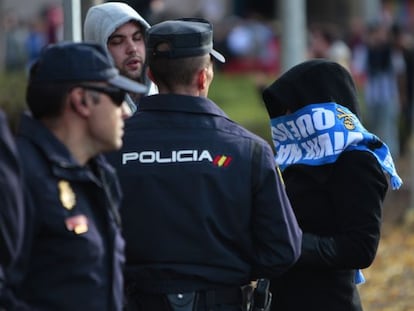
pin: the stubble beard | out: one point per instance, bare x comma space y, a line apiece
133, 75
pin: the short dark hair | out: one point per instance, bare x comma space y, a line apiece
173, 72
46, 99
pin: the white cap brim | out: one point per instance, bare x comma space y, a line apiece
218, 56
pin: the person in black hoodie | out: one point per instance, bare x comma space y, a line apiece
333, 169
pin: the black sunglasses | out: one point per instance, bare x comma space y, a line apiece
117, 95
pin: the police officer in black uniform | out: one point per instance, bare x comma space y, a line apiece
11, 209
73, 252
205, 210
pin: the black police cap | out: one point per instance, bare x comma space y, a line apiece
79, 62
185, 37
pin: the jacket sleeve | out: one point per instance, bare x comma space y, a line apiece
11, 197
11, 210
10, 298
276, 234
357, 189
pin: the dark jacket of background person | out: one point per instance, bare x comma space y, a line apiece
338, 205
73, 252
11, 207
204, 207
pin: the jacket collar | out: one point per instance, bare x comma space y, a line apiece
63, 163
180, 103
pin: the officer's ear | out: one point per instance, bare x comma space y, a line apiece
79, 102
202, 79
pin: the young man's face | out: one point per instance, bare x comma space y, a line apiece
127, 47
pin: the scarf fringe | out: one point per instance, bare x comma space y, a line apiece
359, 277
396, 182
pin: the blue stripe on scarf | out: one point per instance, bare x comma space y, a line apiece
317, 134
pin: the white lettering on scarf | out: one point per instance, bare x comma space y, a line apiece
310, 148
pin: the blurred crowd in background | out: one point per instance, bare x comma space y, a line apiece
24, 39
379, 53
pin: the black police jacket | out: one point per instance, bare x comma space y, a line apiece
203, 203
11, 207
73, 252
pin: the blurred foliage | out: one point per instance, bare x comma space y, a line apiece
12, 95
390, 279
240, 97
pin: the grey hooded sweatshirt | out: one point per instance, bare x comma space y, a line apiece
102, 20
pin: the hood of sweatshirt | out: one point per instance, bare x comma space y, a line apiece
103, 19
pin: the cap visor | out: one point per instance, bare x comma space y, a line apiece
128, 84
218, 56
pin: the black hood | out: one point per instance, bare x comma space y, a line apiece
311, 82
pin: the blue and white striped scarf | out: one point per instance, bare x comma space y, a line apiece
317, 134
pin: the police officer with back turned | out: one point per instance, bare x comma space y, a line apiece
205, 211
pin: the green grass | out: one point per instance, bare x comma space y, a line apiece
240, 98
12, 95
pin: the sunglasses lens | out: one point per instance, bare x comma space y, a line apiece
116, 95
